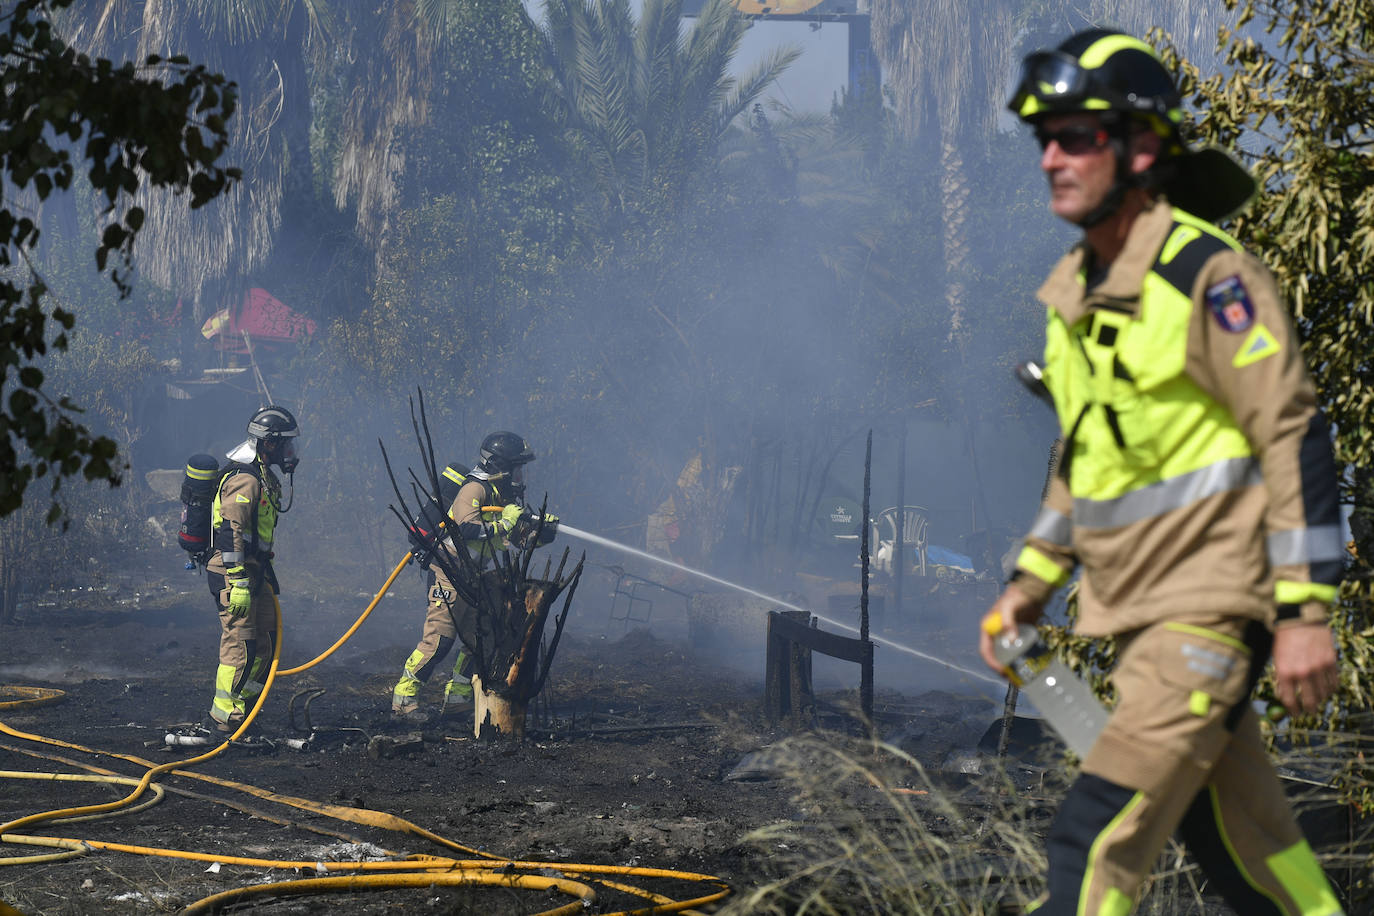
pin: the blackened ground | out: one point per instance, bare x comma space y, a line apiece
638, 755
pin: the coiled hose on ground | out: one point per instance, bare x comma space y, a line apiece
352, 877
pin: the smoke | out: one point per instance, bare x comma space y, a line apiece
695, 368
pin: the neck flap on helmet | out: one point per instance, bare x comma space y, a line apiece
249, 452
246, 452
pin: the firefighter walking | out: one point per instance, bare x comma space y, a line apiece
1196, 491
243, 519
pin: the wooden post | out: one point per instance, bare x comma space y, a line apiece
787, 672
899, 546
777, 697
866, 677
799, 673
1008, 716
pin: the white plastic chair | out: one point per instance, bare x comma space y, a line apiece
915, 531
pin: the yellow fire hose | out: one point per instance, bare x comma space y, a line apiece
386, 586
155, 770
488, 871
30, 697
584, 894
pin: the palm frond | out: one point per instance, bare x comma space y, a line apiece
641, 99
752, 85
108, 29
392, 76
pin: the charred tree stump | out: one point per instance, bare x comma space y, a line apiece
503, 633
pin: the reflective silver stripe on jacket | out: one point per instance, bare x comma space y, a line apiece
1054, 527
231, 557
1167, 495
1305, 545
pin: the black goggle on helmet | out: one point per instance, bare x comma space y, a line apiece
1101, 71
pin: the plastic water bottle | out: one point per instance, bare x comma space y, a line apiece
1063, 698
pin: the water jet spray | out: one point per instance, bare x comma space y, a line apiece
565, 528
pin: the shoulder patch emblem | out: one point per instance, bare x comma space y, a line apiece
1257, 346
1231, 305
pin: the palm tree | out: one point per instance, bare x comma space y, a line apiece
646, 104
392, 57
356, 75
948, 65
262, 46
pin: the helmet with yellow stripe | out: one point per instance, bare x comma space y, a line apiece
1099, 70
1123, 79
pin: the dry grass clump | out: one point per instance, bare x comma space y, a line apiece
876, 833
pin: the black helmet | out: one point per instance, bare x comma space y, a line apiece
274, 427
273, 423
502, 452
1102, 71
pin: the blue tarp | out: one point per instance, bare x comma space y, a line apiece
943, 556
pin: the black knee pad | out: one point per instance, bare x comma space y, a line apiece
424, 671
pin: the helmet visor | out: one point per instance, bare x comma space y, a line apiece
1049, 80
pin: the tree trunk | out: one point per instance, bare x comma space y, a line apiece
502, 631
9, 591
495, 712
954, 189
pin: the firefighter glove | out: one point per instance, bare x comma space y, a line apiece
530, 532
509, 516
421, 547
240, 591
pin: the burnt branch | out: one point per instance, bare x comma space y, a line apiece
404, 513
499, 611
571, 584
533, 538
426, 442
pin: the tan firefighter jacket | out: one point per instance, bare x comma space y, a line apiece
1196, 474
243, 518
480, 531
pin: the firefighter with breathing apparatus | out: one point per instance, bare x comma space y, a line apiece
243, 521
488, 514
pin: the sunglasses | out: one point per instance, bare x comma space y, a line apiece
1076, 140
